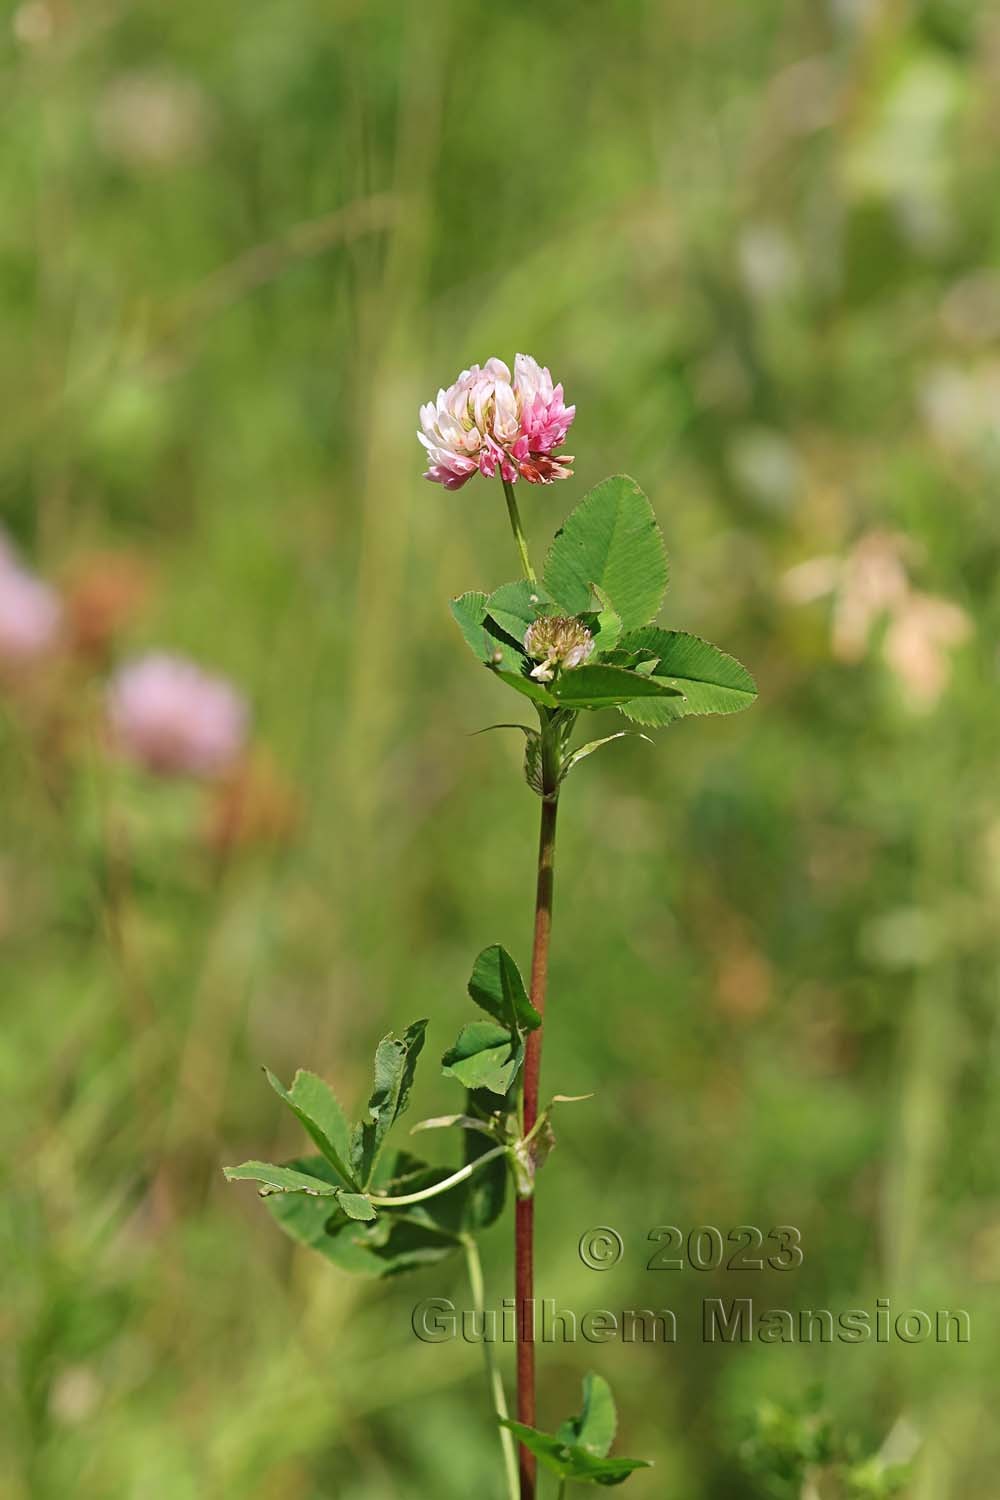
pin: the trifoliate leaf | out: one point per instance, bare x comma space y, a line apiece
610, 540
497, 987
578, 1449
574, 1463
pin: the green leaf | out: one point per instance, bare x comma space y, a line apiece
395, 1064
389, 1246
280, 1179
529, 686
485, 1056
711, 681
571, 1462
514, 606
356, 1206
497, 987
594, 1428
602, 686
314, 1104
603, 623
611, 541
487, 641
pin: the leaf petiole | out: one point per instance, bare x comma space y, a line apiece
439, 1187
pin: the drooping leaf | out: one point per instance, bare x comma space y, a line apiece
395, 1064
590, 686
711, 681
281, 1179
485, 1056
497, 987
531, 688
601, 686
610, 540
514, 606
314, 1104
595, 1426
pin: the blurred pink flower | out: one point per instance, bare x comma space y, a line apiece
168, 715
30, 612
487, 421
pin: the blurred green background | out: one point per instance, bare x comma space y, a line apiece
240, 242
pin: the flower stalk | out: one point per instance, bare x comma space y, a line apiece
518, 529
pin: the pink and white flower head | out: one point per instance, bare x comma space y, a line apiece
488, 421
169, 716
30, 612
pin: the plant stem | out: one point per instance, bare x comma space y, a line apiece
439, 1187
518, 530
524, 1218
494, 1379
562, 1489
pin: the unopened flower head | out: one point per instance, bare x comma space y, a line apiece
30, 612
169, 716
557, 642
488, 420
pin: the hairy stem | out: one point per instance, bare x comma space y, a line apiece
524, 1220
518, 530
494, 1379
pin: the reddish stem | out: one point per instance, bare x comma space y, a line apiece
524, 1219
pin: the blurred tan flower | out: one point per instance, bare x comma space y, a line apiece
961, 405
871, 585
33, 23
873, 581
865, 585
769, 261
153, 119
970, 310
254, 804
918, 643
